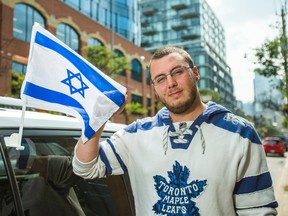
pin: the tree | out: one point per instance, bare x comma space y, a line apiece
106, 60
271, 57
134, 108
16, 83
272, 60
265, 128
269, 61
208, 94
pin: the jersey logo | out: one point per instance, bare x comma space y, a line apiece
236, 120
176, 196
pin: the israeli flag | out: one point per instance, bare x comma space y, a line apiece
59, 79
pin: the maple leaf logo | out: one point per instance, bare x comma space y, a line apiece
176, 196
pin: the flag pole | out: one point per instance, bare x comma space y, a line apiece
19, 146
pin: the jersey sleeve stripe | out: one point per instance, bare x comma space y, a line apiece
253, 184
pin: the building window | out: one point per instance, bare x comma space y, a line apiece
136, 99
202, 84
68, 35
19, 67
148, 106
201, 60
73, 3
138, 109
148, 79
23, 20
120, 54
94, 42
136, 70
123, 12
202, 71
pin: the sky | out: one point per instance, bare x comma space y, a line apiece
247, 25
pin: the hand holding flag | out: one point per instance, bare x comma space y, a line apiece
59, 79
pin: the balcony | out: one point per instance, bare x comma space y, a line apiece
149, 11
189, 13
190, 34
150, 30
179, 25
179, 5
144, 22
145, 43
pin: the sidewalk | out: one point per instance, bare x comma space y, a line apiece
281, 191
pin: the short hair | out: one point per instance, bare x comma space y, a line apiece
166, 50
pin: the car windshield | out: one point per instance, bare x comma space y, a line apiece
272, 142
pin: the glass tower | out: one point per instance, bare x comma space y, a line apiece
193, 26
122, 16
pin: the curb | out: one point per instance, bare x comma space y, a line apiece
281, 191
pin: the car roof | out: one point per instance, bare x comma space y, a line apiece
272, 138
11, 118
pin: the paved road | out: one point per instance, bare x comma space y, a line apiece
281, 189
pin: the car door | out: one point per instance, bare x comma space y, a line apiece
44, 183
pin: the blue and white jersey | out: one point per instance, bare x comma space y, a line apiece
213, 166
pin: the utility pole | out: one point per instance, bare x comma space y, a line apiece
112, 34
283, 40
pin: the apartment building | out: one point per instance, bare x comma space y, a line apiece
193, 26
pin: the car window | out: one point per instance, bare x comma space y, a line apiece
6, 195
48, 185
272, 142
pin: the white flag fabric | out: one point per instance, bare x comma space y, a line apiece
59, 79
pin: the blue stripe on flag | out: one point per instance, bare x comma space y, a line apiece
96, 79
60, 98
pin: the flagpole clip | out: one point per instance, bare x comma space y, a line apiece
13, 141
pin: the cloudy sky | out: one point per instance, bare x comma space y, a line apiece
247, 24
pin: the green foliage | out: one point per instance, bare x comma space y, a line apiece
239, 112
158, 106
268, 130
285, 122
106, 60
265, 128
210, 95
16, 83
268, 58
271, 60
135, 108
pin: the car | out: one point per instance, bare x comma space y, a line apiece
36, 178
285, 140
274, 145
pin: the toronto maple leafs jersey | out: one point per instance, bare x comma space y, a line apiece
214, 165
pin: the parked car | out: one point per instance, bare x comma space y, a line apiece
39, 180
274, 145
285, 141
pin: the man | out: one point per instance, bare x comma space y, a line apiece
191, 158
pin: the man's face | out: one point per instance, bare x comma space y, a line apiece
176, 92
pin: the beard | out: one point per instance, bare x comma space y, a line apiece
184, 106
181, 107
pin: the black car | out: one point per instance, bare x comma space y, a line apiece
38, 180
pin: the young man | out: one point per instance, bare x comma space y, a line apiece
191, 158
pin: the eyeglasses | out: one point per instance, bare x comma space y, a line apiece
175, 73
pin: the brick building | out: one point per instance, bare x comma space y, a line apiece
76, 30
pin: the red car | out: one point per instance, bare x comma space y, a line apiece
274, 145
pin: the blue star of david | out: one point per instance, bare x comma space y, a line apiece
74, 80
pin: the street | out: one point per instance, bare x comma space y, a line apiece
279, 170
